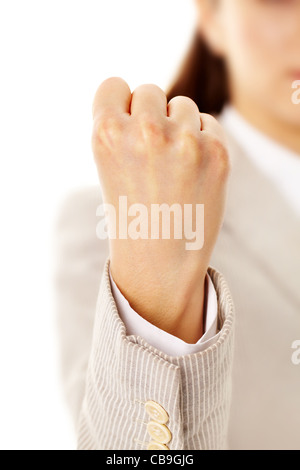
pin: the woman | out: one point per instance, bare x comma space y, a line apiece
163, 358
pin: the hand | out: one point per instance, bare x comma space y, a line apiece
156, 152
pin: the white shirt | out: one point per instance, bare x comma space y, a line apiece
280, 165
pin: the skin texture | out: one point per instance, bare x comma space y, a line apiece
260, 42
158, 152
155, 152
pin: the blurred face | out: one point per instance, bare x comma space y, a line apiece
260, 41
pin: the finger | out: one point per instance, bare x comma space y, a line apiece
114, 95
185, 111
211, 125
150, 99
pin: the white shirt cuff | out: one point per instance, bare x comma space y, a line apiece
165, 342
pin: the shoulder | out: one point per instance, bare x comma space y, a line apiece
76, 222
80, 204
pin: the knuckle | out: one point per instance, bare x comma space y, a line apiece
189, 141
149, 88
149, 136
188, 148
150, 128
108, 87
148, 122
223, 162
209, 117
113, 83
184, 101
218, 155
215, 126
112, 80
108, 128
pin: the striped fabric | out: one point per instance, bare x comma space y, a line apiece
124, 372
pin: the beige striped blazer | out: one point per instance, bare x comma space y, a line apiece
243, 392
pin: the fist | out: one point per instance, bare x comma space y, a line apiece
160, 156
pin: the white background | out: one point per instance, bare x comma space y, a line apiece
54, 54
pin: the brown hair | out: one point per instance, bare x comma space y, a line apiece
203, 78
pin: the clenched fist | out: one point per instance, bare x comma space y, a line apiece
158, 153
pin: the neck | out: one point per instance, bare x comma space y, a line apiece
282, 131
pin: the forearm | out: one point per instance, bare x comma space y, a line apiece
125, 372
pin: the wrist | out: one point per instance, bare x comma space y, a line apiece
171, 300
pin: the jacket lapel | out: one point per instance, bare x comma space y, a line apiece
259, 216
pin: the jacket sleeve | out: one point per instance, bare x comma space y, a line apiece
125, 375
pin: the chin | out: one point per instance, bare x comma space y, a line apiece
293, 115
288, 110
